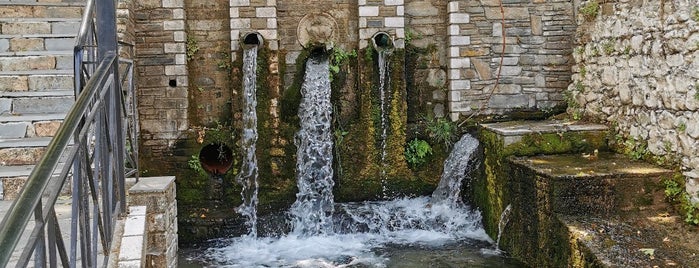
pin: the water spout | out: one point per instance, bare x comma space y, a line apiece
248, 172
312, 212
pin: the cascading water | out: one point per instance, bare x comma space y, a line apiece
384, 80
248, 172
457, 165
312, 212
415, 232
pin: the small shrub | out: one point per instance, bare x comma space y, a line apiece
441, 130
417, 152
192, 48
590, 10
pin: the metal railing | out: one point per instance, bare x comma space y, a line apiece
93, 152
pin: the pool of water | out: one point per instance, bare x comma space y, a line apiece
410, 232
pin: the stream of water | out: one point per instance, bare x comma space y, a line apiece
248, 172
384, 80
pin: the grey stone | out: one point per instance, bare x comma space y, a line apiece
482, 68
436, 78
59, 43
508, 101
13, 130
42, 105
4, 45
44, 82
65, 27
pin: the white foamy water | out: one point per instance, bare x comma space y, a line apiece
362, 230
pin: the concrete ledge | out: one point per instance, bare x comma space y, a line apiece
132, 252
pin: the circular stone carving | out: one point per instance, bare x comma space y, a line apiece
317, 29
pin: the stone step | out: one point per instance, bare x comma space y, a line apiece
36, 80
603, 184
25, 151
39, 25
36, 62
29, 125
41, 9
23, 44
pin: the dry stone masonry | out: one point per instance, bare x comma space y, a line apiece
536, 59
637, 67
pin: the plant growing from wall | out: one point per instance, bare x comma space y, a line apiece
695, 13
192, 48
608, 47
417, 152
338, 58
590, 10
441, 130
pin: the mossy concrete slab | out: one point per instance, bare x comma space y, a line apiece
513, 131
600, 184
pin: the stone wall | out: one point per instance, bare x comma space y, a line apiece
536, 60
161, 74
637, 68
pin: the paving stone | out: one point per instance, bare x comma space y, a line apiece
42, 105
13, 130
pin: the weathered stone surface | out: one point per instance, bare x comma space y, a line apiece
20, 156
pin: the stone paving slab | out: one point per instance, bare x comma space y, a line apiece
519, 128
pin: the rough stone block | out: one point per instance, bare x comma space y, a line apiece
131, 248
26, 27
173, 3
14, 83
12, 186
453, 6
460, 85
240, 23
25, 44
508, 101
511, 13
393, 2
266, 12
457, 63
240, 3
459, 40
4, 45
173, 25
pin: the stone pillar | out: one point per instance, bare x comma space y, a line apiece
381, 16
458, 82
158, 195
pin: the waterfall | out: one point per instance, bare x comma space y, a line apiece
456, 166
248, 172
384, 80
312, 212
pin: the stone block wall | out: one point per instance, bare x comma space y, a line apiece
536, 59
157, 194
254, 16
161, 74
637, 67
381, 16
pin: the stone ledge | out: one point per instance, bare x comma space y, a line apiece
152, 185
519, 128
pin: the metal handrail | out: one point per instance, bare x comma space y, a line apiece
87, 150
21, 210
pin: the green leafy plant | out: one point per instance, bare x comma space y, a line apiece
339, 56
583, 71
417, 152
195, 164
682, 127
590, 10
695, 13
676, 193
441, 130
192, 48
225, 62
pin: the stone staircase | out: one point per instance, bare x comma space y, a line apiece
36, 81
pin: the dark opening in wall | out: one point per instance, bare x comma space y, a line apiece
382, 40
216, 158
252, 39
173, 82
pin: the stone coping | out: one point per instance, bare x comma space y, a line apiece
586, 166
519, 128
152, 184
